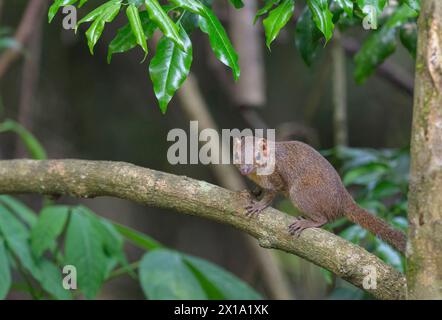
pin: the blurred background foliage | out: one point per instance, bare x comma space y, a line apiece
81, 107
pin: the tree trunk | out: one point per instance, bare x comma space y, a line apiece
339, 84
250, 89
424, 249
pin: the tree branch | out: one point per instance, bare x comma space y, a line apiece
24, 31
80, 178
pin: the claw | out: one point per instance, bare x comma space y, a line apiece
253, 209
297, 226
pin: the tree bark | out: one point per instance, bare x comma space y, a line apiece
30, 81
424, 249
339, 85
81, 178
249, 91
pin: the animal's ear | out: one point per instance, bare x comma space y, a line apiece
262, 145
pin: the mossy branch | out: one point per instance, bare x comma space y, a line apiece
88, 179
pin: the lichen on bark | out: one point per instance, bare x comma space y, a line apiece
424, 249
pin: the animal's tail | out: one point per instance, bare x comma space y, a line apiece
377, 226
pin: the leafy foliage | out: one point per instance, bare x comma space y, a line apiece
49, 226
164, 275
95, 247
171, 64
136, 27
307, 37
382, 43
322, 17
126, 40
170, 67
277, 19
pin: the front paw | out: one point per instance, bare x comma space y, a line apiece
254, 208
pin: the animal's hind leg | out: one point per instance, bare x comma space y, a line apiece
309, 201
302, 223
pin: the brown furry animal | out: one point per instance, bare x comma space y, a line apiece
312, 184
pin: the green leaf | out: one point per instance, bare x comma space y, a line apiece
401, 15
354, 233
400, 223
51, 280
11, 228
96, 29
380, 44
408, 36
53, 9
226, 283
137, 27
137, 3
237, 3
373, 206
363, 175
140, 239
84, 250
347, 6
212, 292
16, 236
266, 8
49, 226
322, 17
388, 254
113, 244
97, 12
385, 189
219, 41
5, 272
414, 4
20, 209
277, 19
112, 241
126, 40
366, 5
31, 143
307, 37
169, 68
164, 275
166, 25
189, 21
10, 43
328, 276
